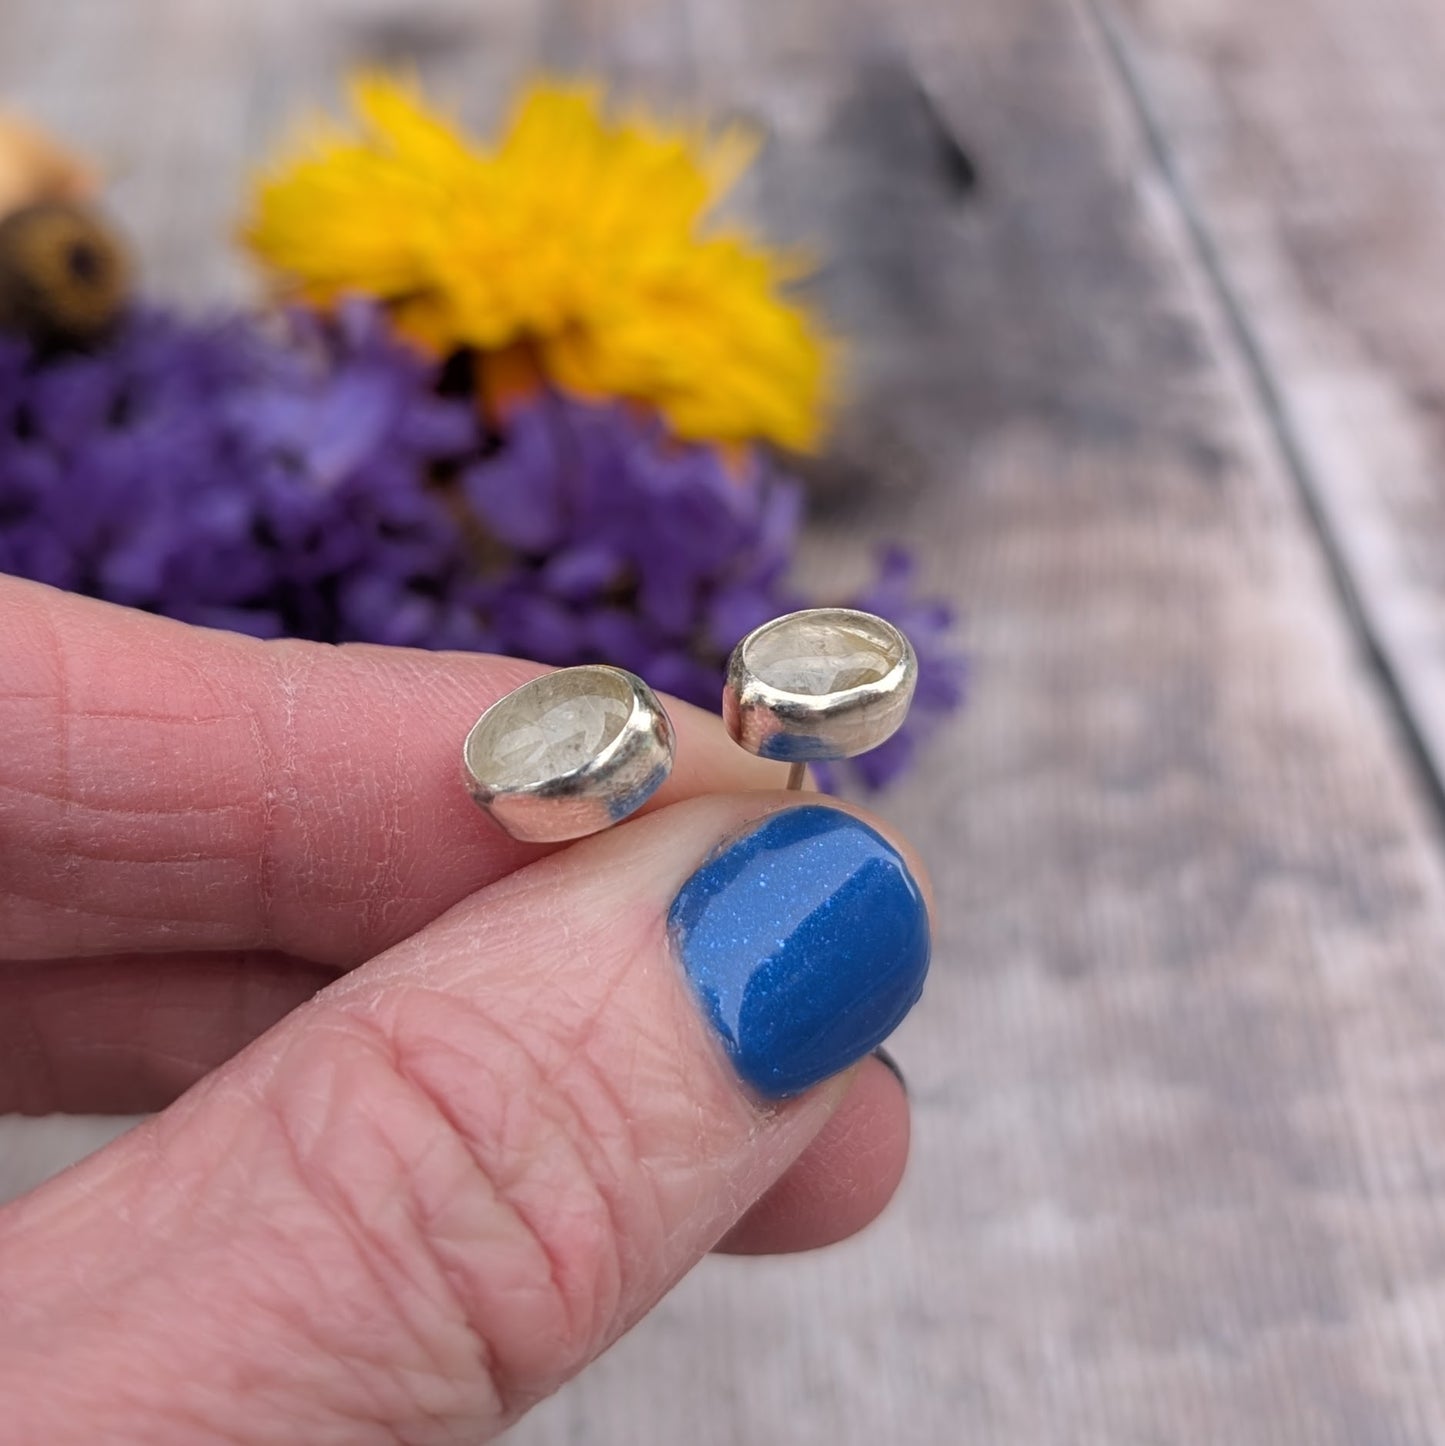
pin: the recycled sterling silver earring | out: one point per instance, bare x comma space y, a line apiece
569, 753
822, 684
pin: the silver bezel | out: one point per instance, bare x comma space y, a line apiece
809, 728
616, 782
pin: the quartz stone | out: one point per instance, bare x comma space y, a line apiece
814, 658
544, 736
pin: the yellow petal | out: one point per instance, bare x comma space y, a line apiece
583, 236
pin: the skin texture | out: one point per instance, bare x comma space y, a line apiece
408, 1206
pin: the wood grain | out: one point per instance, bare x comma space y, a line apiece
1178, 1173
1307, 136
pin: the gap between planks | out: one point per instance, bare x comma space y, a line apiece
1120, 62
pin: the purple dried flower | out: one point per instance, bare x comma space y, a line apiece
275, 485
942, 671
313, 481
629, 545
633, 548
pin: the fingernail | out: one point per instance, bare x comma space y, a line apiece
806, 941
892, 1066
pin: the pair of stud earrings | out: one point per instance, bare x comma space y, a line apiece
575, 751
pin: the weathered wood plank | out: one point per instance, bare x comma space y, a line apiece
32, 1150
1309, 137
1177, 1172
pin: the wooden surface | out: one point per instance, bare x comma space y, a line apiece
1145, 294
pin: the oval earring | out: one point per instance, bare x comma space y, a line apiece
568, 754
822, 684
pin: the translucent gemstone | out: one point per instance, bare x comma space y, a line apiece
545, 736
814, 658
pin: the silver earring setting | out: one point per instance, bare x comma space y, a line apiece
569, 753
575, 751
822, 684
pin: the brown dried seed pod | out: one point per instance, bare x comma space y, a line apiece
64, 275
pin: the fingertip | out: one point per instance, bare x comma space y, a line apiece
845, 1178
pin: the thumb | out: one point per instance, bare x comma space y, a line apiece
439, 1189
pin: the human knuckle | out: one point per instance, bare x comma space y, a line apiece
553, 1162
367, 1194
482, 1205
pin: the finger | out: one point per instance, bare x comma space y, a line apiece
168, 787
433, 1194
844, 1178
125, 1035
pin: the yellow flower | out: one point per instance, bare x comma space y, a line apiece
583, 239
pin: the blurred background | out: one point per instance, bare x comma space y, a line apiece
1147, 366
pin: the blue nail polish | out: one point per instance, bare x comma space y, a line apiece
806, 940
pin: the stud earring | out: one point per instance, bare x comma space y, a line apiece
569, 753
822, 684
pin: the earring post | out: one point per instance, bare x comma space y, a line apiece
797, 772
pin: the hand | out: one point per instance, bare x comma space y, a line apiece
417, 1202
